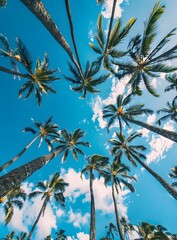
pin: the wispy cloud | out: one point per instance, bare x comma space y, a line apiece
107, 9
78, 219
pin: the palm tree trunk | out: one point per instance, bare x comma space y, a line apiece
7, 164
9, 71
72, 31
163, 132
38, 9
37, 219
18, 175
92, 220
110, 24
165, 184
117, 214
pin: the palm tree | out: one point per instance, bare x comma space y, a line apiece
13, 199
69, 142
87, 81
95, 163
111, 231
172, 79
61, 235
8, 52
3, 3
108, 49
173, 175
55, 188
68, 10
123, 113
18, 175
127, 228
9, 236
150, 232
145, 62
45, 131
171, 112
117, 174
38, 9
122, 145
39, 80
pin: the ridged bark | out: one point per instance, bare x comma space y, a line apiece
163, 132
163, 182
37, 219
92, 220
18, 175
7, 164
38, 9
117, 215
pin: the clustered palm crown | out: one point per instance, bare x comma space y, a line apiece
108, 49
39, 79
69, 142
122, 112
172, 79
47, 131
52, 188
14, 198
86, 82
122, 145
146, 63
170, 110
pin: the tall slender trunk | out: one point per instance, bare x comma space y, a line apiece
18, 175
72, 31
9, 71
7, 164
117, 214
163, 132
37, 219
92, 218
38, 9
165, 184
110, 24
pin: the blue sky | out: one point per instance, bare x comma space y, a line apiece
150, 202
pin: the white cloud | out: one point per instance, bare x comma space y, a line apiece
103, 197
78, 219
107, 9
159, 145
118, 87
82, 236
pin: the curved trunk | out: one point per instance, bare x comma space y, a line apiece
37, 219
38, 9
163, 132
117, 214
72, 31
9, 71
18, 175
92, 220
110, 24
165, 184
7, 164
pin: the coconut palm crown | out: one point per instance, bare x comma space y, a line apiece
121, 112
107, 49
172, 80
87, 82
14, 198
70, 142
147, 63
170, 110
